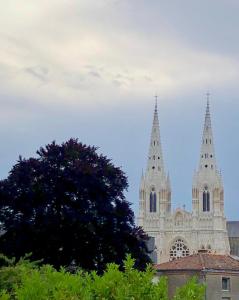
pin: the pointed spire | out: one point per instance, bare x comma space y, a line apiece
155, 157
207, 155
207, 123
156, 103
156, 121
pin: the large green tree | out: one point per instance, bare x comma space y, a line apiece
67, 206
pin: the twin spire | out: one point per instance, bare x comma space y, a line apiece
155, 165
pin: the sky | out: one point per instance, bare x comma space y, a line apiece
90, 69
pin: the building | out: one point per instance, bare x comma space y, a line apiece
233, 234
220, 273
181, 233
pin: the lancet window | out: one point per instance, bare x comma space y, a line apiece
153, 201
206, 199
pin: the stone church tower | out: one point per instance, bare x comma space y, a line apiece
155, 191
180, 233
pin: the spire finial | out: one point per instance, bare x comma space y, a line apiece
156, 102
208, 96
207, 116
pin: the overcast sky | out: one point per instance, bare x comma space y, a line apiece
90, 69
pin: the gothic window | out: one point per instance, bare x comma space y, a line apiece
178, 249
153, 201
206, 200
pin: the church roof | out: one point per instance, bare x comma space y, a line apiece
200, 262
233, 228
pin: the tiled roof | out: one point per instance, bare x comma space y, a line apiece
201, 261
233, 228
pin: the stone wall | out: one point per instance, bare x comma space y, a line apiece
214, 286
212, 279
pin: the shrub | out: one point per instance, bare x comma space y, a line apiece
192, 290
27, 281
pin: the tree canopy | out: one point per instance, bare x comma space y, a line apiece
67, 206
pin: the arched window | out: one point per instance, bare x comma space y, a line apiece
206, 200
153, 201
179, 249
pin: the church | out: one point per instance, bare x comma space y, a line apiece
178, 233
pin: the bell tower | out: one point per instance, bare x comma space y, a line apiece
208, 192
155, 190
207, 182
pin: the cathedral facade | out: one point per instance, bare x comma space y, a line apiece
178, 232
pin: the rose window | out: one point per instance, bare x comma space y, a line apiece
179, 249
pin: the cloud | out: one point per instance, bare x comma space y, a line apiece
38, 72
91, 68
82, 49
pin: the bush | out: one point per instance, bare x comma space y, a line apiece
190, 291
26, 281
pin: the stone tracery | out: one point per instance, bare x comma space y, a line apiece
179, 249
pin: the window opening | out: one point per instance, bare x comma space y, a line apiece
153, 201
179, 249
225, 284
206, 200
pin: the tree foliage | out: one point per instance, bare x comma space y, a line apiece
190, 291
41, 283
67, 207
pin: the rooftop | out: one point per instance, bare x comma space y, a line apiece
201, 261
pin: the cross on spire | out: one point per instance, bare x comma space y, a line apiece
208, 95
156, 102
